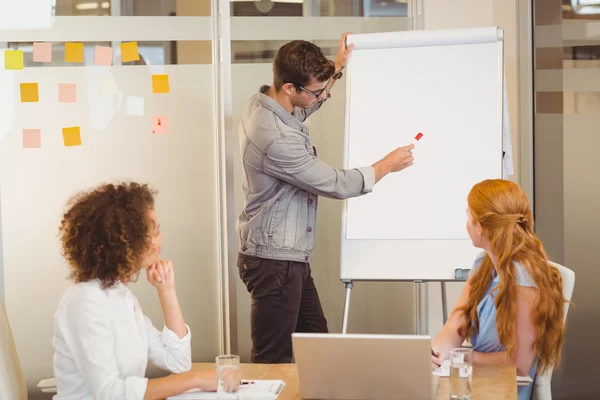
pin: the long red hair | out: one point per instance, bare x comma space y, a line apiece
502, 209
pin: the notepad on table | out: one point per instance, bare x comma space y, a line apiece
444, 370
264, 390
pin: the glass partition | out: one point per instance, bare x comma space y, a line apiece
114, 90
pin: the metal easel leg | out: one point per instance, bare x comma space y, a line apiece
421, 309
444, 303
349, 286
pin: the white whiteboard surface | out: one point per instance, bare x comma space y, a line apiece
447, 85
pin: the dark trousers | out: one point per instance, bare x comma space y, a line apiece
284, 301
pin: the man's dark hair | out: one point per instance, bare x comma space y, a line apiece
297, 61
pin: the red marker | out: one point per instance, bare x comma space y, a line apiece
417, 138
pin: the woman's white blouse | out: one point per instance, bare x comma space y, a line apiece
103, 342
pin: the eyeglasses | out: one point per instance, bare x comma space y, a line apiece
318, 94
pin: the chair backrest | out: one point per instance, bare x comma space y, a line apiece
541, 386
13, 381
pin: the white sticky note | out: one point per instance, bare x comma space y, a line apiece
135, 106
107, 85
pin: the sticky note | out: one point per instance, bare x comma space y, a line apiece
129, 52
42, 52
32, 138
29, 93
135, 106
160, 125
74, 52
103, 56
107, 85
67, 93
13, 59
72, 136
160, 83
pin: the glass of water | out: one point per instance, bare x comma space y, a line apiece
228, 371
461, 373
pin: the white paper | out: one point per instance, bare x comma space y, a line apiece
456, 109
259, 389
135, 106
444, 369
438, 37
507, 162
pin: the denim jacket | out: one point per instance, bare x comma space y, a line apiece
282, 181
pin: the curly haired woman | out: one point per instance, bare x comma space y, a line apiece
512, 305
102, 339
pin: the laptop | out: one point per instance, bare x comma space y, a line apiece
364, 367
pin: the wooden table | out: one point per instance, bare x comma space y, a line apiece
489, 382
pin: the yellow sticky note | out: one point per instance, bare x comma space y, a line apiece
29, 93
13, 59
129, 52
72, 136
160, 83
74, 52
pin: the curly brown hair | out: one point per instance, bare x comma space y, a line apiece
106, 232
297, 61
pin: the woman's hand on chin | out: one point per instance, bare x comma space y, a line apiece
161, 275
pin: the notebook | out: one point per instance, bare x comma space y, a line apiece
263, 390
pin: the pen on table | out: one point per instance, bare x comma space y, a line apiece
247, 383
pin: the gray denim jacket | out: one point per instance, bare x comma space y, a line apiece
282, 181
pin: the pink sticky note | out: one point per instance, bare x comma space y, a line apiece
103, 56
160, 125
42, 52
32, 138
67, 93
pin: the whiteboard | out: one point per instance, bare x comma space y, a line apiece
447, 85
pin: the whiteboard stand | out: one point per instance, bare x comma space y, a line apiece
349, 286
421, 303
444, 303
459, 105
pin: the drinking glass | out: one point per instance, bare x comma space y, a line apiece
461, 373
228, 369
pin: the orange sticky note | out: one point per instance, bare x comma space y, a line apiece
74, 52
160, 83
129, 52
13, 59
29, 93
72, 136
42, 52
32, 138
160, 125
103, 56
67, 93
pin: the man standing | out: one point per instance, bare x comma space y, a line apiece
282, 181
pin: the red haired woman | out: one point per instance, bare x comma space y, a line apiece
512, 304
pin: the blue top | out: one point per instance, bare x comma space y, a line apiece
487, 340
